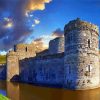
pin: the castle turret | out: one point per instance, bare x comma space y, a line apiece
12, 65
56, 45
81, 55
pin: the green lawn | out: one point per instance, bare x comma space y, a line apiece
2, 59
3, 97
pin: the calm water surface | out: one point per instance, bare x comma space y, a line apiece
17, 91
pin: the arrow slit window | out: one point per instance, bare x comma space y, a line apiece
89, 43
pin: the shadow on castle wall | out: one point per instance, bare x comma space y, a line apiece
42, 70
3, 72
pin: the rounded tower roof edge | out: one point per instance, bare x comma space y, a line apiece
78, 23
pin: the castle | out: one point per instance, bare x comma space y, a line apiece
71, 61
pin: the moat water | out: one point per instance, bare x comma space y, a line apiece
17, 91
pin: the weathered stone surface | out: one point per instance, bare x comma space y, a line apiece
56, 45
42, 70
71, 61
81, 55
12, 65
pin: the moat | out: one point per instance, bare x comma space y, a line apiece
18, 91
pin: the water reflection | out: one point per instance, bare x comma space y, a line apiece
3, 88
17, 91
13, 91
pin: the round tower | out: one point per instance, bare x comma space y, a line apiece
81, 55
56, 45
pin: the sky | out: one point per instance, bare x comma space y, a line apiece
22, 21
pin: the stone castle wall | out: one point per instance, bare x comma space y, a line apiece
81, 55
22, 51
25, 50
42, 70
71, 61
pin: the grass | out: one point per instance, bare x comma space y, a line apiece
2, 59
3, 97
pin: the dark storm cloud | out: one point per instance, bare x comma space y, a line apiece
15, 34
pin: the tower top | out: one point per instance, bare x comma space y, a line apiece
80, 24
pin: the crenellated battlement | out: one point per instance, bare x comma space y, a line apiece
81, 25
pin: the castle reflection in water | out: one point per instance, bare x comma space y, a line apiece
16, 91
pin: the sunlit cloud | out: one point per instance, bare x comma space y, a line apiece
36, 21
6, 19
45, 39
58, 33
9, 25
40, 45
31, 15
33, 25
27, 13
2, 52
36, 5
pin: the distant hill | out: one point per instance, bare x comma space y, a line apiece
2, 59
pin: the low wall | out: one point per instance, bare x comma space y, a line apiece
43, 70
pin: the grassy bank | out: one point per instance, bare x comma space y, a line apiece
2, 59
3, 97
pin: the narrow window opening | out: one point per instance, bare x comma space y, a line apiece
26, 49
89, 43
89, 68
14, 48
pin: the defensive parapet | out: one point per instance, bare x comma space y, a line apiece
81, 55
20, 48
25, 50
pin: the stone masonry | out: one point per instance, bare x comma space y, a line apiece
81, 61
71, 61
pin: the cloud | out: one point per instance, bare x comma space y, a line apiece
58, 33
8, 24
36, 4
38, 40
44, 39
36, 21
40, 45
14, 20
